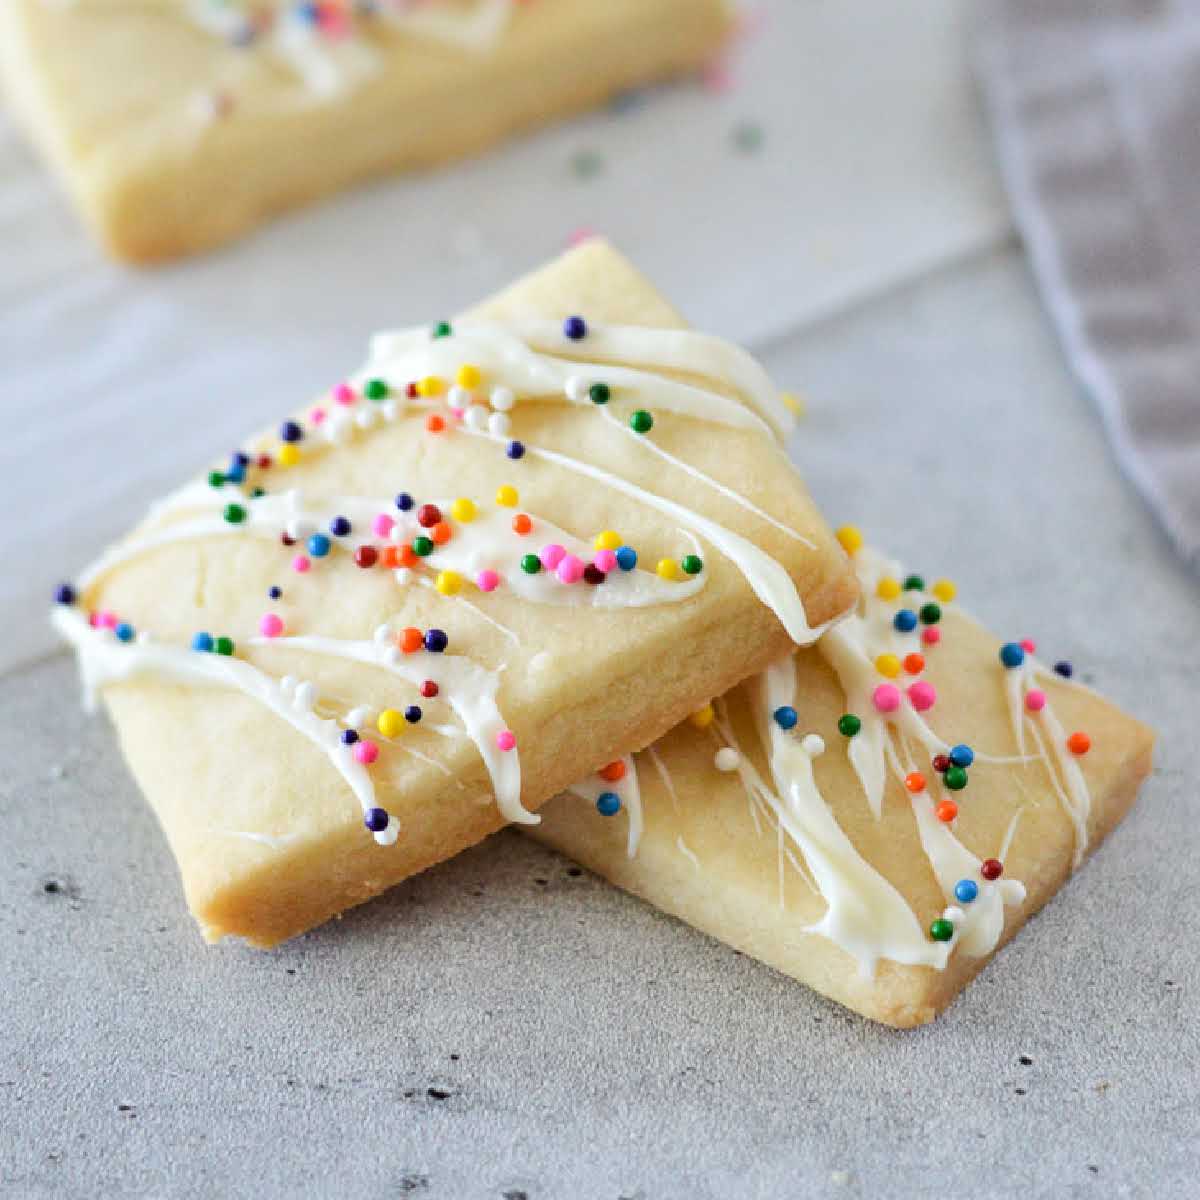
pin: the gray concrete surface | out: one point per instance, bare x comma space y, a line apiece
507, 1026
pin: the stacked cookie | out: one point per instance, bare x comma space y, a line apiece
515, 557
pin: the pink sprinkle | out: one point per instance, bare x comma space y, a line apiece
382, 525
1029, 645
1035, 700
923, 696
551, 555
506, 740
94, 620
317, 416
570, 570
578, 236
271, 625
108, 620
457, 412
717, 77
487, 581
605, 560
344, 394
366, 751
932, 635
301, 563
886, 698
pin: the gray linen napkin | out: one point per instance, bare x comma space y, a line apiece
1096, 111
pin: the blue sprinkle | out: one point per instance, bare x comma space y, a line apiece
339, 526
626, 558
124, 632
202, 642
575, 328
404, 501
785, 717
64, 594
274, 592
1012, 654
318, 545
1064, 669
236, 473
608, 804
290, 431
905, 620
413, 714
349, 737
962, 755
436, 640
965, 890
516, 449
376, 819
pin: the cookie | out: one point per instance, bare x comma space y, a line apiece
877, 815
510, 548
239, 111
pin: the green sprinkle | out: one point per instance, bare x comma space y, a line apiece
216, 479
914, 583
422, 546
256, 492
376, 389
955, 778
747, 136
223, 645
848, 725
640, 421
235, 514
442, 329
941, 930
599, 393
531, 564
692, 564
586, 164
930, 614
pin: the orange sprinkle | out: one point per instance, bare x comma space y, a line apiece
435, 423
613, 771
391, 556
522, 524
408, 556
441, 533
947, 811
915, 782
411, 640
1079, 743
914, 664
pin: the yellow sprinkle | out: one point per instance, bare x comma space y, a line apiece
667, 568
506, 496
468, 376
851, 538
795, 404
702, 718
888, 588
463, 510
888, 665
390, 723
944, 590
289, 455
431, 385
449, 582
607, 541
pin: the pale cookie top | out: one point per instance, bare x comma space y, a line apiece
581, 389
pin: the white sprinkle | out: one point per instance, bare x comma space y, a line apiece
813, 744
576, 387
727, 759
299, 528
477, 417
143, 638
391, 657
388, 836
403, 576
390, 410
499, 424
365, 418
305, 696
356, 718
458, 396
381, 634
337, 427
287, 683
503, 399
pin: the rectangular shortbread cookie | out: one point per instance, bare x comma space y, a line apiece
509, 549
173, 130
874, 816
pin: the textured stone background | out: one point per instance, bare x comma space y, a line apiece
507, 1026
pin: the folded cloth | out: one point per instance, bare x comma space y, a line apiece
1096, 110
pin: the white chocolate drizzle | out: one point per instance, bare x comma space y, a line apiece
594, 786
